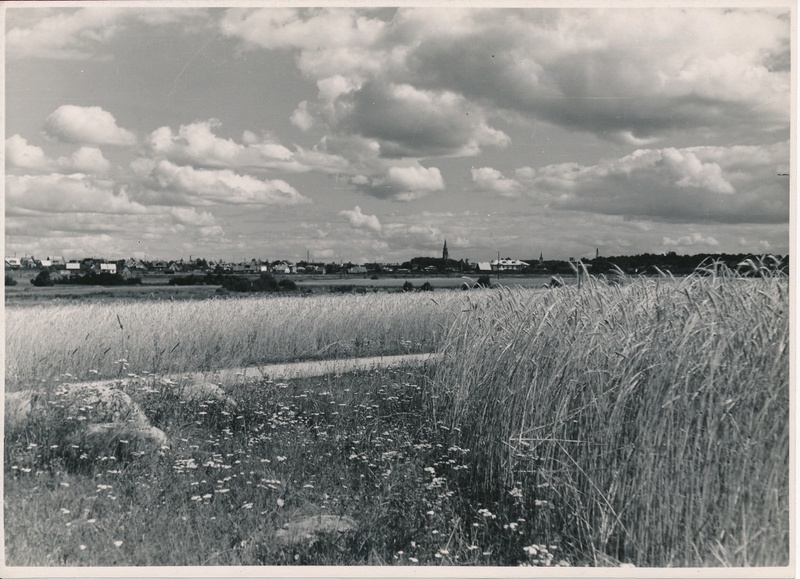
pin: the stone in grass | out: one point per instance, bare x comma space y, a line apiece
202, 391
98, 403
113, 438
18, 406
307, 530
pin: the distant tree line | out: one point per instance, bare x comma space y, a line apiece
43, 278
646, 263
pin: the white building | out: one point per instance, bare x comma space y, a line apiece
508, 264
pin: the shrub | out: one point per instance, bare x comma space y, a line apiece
426, 287
10, 280
287, 285
408, 287
236, 283
43, 279
484, 281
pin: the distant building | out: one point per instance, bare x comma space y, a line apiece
508, 264
445, 253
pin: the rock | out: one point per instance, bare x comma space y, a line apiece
18, 406
308, 529
98, 403
201, 391
117, 438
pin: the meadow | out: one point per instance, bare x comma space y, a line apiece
638, 423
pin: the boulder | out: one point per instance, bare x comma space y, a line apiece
18, 406
98, 403
202, 391
308, 530
117, 438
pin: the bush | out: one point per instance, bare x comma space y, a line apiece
408, 287
10, 280
484, 281
43, 279
103, 278
426, 287
235, 283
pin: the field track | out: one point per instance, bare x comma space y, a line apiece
290, 371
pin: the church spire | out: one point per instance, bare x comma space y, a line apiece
445, 254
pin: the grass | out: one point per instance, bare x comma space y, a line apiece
645, 422
347, 445
652, 418
109, 340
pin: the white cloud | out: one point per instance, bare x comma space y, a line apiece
360, 220
22, 156
694, 173
628, 75
197, 144
301, 117
86, 160
693, 240
492, 180
415, 180
59, 33
56, 193
206, 187
87, 125
686, 184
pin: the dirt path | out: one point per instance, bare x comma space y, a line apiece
311, 368
230, 376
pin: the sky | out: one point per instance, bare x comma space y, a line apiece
375, 134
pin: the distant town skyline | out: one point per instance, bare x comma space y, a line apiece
374, 134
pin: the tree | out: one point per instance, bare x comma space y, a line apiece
43, 279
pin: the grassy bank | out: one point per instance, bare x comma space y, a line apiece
109, 340
648, 422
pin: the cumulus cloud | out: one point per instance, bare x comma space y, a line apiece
87, 125
81, 34
198, 144
86, 160
22, 156
168, 182
401, 182
628, 75
492, 180
360, 220
56, 193
408, 122
705, 184
692, 240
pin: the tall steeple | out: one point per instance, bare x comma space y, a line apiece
445, 254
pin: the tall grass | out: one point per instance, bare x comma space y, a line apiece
646, 422
111, 339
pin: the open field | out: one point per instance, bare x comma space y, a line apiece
644, 423
155, 287
98, 340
